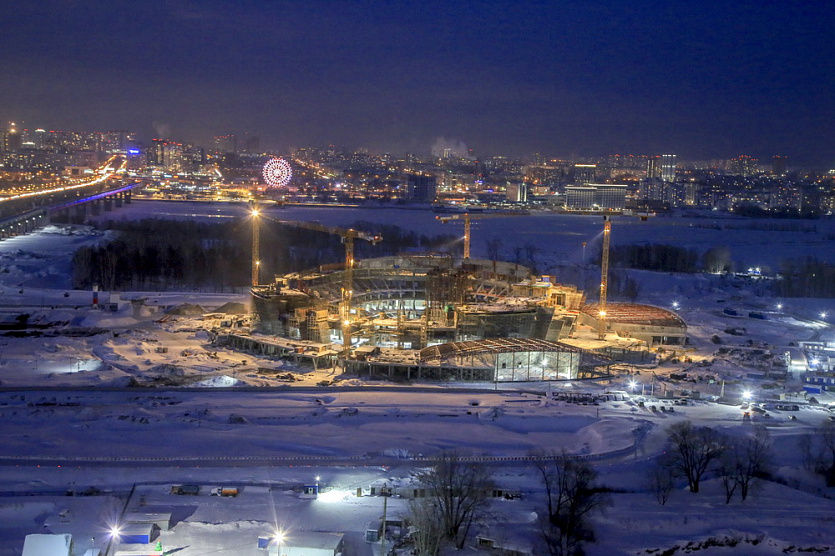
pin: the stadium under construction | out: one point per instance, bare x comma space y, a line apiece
431, 317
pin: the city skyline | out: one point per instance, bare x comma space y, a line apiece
706, 81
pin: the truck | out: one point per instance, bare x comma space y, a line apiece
227, 491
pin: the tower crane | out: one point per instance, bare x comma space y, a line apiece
256, 245
604, 270
604, 278
467, 217
349, 236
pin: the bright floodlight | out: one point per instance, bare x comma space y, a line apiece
317, 478
675, 304
115, 531
633, 385
779, 306
746, 395
823, 315
254, 212
332, 496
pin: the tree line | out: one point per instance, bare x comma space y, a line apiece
458, 491
807, 277
157, 254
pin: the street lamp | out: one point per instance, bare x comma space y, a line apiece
746, 395
633, 385
279, 538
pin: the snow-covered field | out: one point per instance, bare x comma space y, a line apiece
70, 423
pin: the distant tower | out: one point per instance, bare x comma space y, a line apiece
654, 167
421, 187
584, 173
779, 165
12, 140
225, 144
668, 167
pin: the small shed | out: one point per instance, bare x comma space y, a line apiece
47, 545
137, 533
310, 491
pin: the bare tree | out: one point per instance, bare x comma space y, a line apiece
428, 522
818, 450
728, 476
753, 458
743, 461
460, 490
661, 482
571, 498
494, 244
693, 449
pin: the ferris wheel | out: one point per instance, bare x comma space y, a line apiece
277, 172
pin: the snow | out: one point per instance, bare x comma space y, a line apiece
72, 424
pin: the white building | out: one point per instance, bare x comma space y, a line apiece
309, 544
47, 545
596, 197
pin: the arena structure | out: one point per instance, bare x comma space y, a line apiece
427, 316
652, 325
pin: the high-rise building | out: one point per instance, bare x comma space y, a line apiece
226, 144
517, 192
743, 165
251, 143
584, 173
654, 167
779, 165
12, 139
421, 187
668, 167
166, 155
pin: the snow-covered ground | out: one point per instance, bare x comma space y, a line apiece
71, 423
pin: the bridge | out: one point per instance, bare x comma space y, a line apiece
33, 210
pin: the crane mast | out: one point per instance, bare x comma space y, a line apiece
347, 290
256, 246
349, 237
467, 218
604, 278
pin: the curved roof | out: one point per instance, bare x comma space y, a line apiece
633, 313
498, 345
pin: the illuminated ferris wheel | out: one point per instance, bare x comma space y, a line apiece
277, 172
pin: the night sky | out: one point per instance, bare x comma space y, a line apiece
701, 78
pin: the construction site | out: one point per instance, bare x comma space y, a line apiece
432, 316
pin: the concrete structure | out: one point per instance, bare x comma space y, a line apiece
652, 325
422, 316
